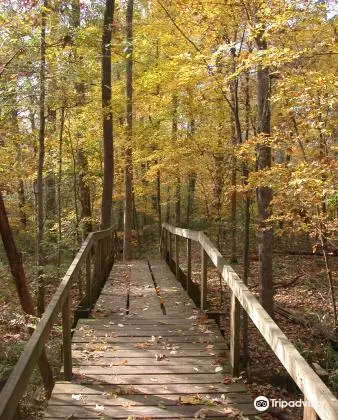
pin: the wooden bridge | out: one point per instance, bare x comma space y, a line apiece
147, 352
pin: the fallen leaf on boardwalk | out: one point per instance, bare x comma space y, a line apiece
76, 397
190, 400
120, 325
99, 407
145, 309
162, 405
202, 413
173, 352
210, 346
143, 345
154, 379
159, 357
218, 369
228, 380
123, 362
195, 368
231, 412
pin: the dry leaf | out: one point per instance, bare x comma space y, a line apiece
231, 412
190, 400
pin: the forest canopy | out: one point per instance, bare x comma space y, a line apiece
210, 108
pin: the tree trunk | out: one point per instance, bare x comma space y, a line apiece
22, 203
41, 159
236, 139
108, 164
158, 202
84, 192
191, 197
82, 161
59, 181
19, 276
128, 206
264, 193
246, 247
178, 179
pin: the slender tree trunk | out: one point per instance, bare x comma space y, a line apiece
246, 248
128, 206
237, 139
19, 276
264, 193
191, 196
59, 181
21, 187
41, 159
108, 164
82, 160
84, 192
178, 178
167, 213
22, 203
73, 153
192, 175
158, 202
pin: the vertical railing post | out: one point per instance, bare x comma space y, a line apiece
66, 340
204, 279
89, 280
189, 264
177, 256
309, 412
235, 320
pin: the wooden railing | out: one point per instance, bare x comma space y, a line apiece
319, 399
95, 259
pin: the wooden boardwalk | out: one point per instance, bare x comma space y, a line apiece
147, 353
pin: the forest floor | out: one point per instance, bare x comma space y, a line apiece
307, 295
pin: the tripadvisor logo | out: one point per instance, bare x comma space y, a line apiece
261, 403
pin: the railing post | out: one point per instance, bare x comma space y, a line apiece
177, 256
67, 340
235, 320
204, 279
309, 413
189, 264
89, 281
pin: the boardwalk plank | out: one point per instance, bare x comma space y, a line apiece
117, 373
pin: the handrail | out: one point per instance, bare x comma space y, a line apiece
19, 378
317, 394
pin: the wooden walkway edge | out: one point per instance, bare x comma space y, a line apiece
148, 353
